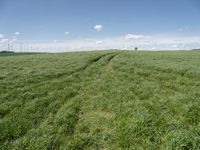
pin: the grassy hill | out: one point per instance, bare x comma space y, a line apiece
100, 100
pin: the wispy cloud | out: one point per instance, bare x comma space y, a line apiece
183, 29
1, 36
98, 28
175, 46
4, 40
13, 40
17, 33
134, 37
67, 33
99, 42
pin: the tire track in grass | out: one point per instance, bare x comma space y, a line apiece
112, 57
79, 102
49, 102
39, 122
45, 82
95, 60
50, 77
104, 66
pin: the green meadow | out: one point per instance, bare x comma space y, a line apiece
101, 100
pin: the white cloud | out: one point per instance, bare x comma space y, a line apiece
1, 36
66, 33
175, 46
4, 40
98, 28
13, 40
99, 42
133, 37
17, 33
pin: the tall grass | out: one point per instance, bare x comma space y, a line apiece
100, 100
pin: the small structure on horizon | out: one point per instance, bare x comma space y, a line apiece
136, 48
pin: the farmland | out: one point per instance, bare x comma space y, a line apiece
100, 100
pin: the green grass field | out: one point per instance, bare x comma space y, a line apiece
106, 100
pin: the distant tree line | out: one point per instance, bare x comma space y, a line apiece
6, 51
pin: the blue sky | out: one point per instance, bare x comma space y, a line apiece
50, 19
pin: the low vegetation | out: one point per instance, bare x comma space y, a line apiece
100, 100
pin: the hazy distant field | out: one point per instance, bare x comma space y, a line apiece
100, 100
